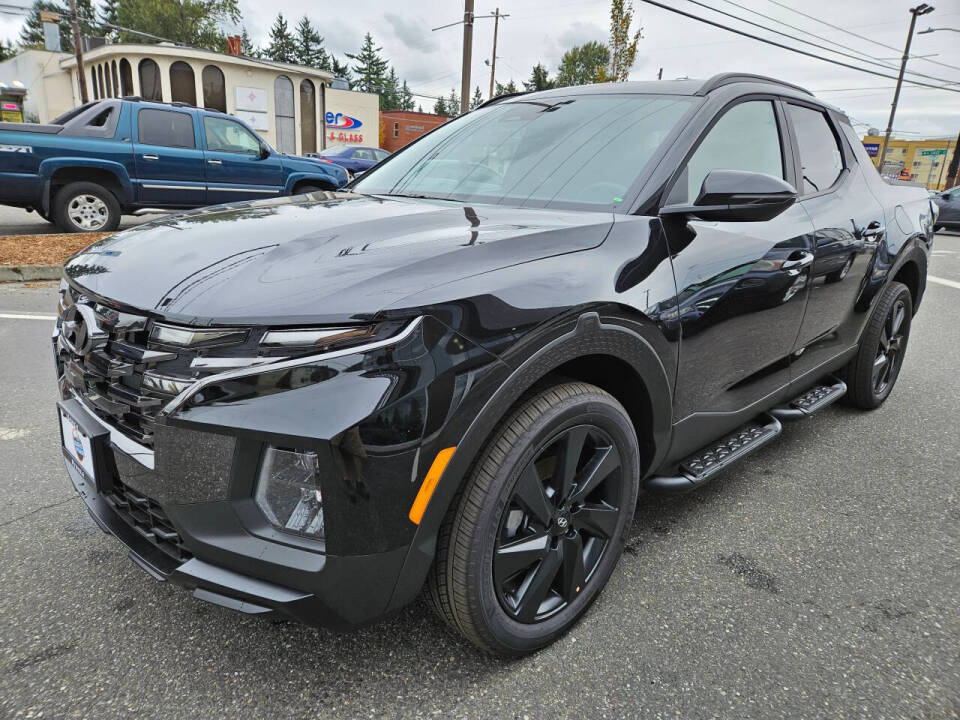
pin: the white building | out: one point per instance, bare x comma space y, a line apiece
292, 106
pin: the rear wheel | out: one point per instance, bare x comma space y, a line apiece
540, 525
874, 370
86, 207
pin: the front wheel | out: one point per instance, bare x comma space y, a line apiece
874, 370
539, 527
86, 207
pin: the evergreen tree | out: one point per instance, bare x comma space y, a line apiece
583, 64
282, 47
508, 89
196, 23
406, 97
370, 67
309, 46
7, 50
246, 45
341, 70
107, 15
453, 103
420, 108
440, 107
477, 99
390, 97
539, 79
31, 35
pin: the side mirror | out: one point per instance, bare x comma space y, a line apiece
737, 196
264, 151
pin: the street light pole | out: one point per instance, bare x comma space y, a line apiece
921, 9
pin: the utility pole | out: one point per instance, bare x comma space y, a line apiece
915, 12
953, 173
467, 55
78, 51
493, 58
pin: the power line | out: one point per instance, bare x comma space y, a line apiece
816, 45
856, 35
792, 49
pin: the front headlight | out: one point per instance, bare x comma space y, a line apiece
327, 338
288, 491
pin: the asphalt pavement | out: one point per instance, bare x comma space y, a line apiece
819, 578
16, 221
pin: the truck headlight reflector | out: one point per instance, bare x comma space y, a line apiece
288, 491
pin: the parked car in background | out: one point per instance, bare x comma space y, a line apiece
949, 203
355, 159
459, 374
114, 157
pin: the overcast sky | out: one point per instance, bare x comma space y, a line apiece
540, 30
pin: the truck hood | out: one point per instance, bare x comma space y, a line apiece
306, 260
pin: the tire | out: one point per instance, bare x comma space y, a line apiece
86, 207
586, 519
869, 378
305, 189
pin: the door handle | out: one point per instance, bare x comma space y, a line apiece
798, 260
214, 161
151, 157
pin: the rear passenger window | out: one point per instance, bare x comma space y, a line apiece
745, 138
820, 153
167, 128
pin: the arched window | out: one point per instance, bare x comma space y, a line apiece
150, 80
183, 87
126, 77
106, 79
283, 109
116, 81
308, 117
214, 89
103, 93
93, 83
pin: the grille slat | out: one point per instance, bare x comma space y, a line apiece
148, 519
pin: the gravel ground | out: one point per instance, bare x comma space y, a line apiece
818, 578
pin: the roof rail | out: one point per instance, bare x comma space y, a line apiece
729, 78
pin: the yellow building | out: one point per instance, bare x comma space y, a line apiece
924, 161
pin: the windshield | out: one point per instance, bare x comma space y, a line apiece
584, 150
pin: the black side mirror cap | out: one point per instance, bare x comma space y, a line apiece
264, 151
737, 196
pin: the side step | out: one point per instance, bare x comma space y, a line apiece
706, 463
814, 399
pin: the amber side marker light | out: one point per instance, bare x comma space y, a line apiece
430, 484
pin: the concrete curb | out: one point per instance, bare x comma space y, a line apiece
26, 273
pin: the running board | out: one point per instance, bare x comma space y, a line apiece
814, 399
708, 462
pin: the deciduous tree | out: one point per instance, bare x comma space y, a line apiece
583, 64
623, 45
197, 23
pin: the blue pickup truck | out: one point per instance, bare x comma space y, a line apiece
113, 157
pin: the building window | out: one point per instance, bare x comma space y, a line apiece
396, 129
283, 109
93, 83
150, 88
103, 93
107, 81
126, 78
308, 117
183, 87
214, 89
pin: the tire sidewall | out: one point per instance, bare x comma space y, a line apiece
894, 292
513, 636
68, 192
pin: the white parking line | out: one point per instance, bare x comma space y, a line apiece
24, 316
943, 281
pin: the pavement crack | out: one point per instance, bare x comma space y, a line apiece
36, 510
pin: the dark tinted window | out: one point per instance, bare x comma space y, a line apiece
165, 127
745, 137
820, 153
150, 88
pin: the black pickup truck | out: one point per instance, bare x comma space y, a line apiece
460, 373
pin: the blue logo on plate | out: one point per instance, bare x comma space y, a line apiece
77, 445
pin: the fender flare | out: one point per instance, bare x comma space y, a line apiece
299, 177
50, 166
589, 336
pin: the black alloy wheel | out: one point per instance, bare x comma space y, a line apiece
889, 358
538, 527
874, 370
558, 522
